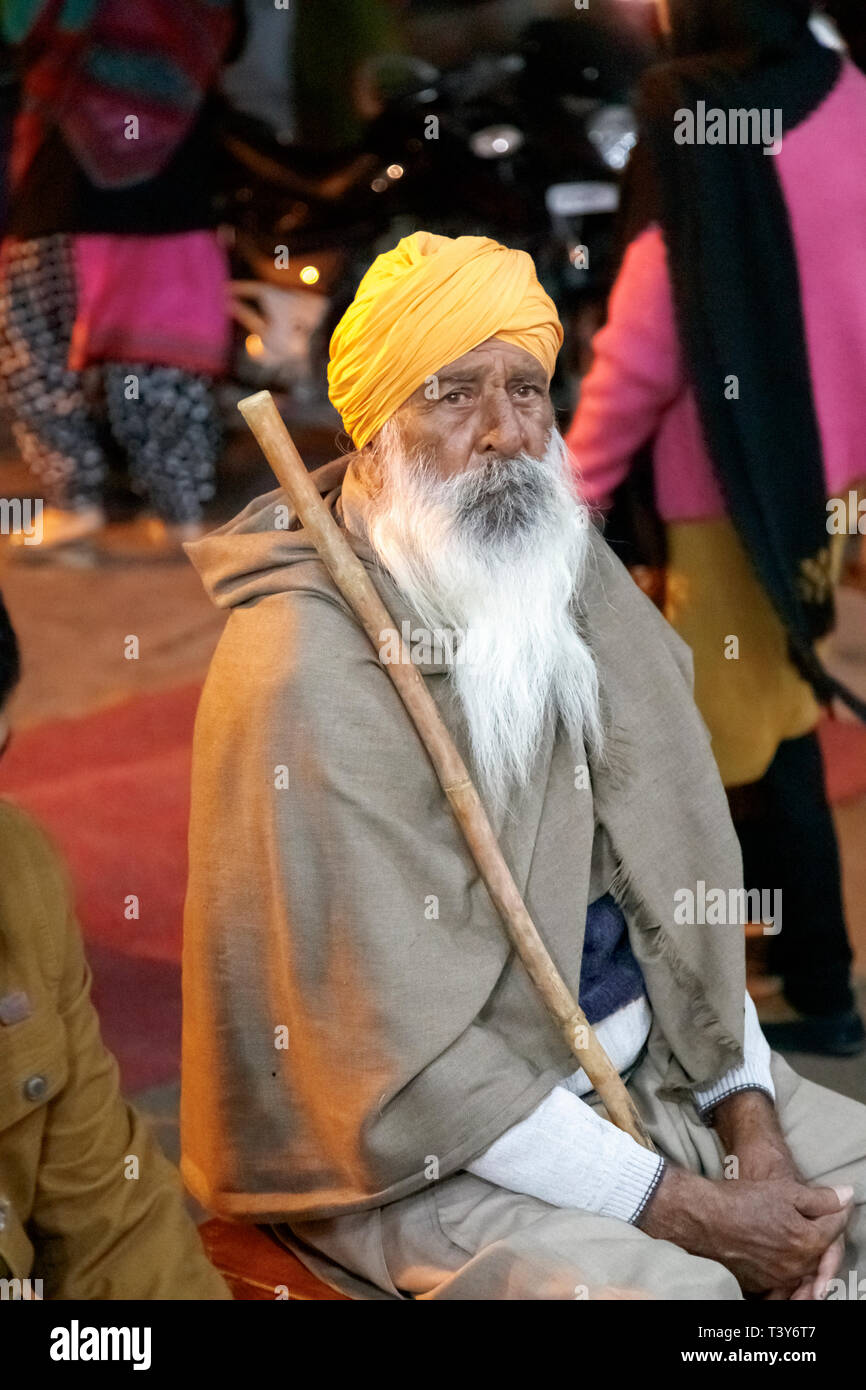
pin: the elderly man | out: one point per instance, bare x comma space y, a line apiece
367, 1066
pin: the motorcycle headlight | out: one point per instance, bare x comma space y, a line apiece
613, 132
496, 141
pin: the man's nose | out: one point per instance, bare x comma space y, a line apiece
501, 429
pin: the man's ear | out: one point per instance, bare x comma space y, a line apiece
368, 468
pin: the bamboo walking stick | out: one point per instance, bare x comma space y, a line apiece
354, 583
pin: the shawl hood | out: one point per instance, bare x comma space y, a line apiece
264, 551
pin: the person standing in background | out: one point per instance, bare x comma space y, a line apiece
304, 71
736, 347
334, 43
111, 256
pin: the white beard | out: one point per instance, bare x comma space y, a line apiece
496, 553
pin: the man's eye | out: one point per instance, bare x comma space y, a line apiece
527, 386
456, 396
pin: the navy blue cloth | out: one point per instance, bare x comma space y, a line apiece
609, 974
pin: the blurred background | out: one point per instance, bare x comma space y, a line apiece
321, 132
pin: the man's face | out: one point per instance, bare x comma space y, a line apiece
492, 402
471, 509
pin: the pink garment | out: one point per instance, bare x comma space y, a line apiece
154, 299
637, 390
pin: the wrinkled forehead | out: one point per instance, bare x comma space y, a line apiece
494, 362
495, 353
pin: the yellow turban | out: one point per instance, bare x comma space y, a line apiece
423, 305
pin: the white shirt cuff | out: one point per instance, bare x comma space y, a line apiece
753, 1075
567, 1154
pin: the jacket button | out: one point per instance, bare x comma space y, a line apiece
35, 1087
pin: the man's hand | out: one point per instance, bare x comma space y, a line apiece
773, 1235
748, 1126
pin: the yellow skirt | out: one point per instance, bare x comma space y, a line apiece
746, 688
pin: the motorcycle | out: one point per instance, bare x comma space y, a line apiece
527, 147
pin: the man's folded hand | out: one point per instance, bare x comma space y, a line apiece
774, 1235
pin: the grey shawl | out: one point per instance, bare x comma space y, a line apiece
355, 1021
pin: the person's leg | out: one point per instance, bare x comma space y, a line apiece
51, 419
465, 1238
167, 421
517, 1247
788, 841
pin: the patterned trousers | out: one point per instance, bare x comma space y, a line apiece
164, 418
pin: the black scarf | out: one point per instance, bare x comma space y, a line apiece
737, 302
